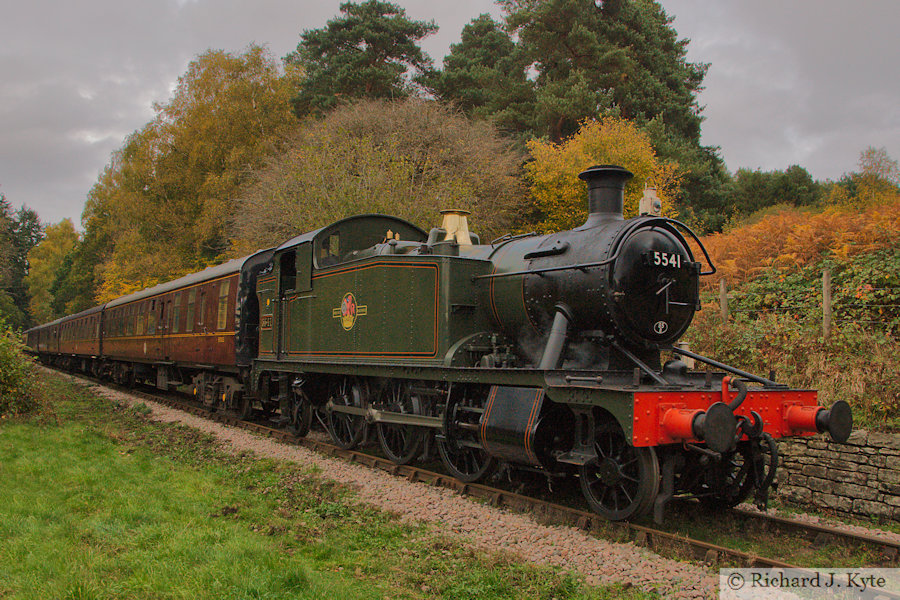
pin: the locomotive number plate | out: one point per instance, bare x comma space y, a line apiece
663, 259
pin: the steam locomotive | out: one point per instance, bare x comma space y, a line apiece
539, 353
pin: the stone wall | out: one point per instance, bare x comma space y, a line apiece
861, 477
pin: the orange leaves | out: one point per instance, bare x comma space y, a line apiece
792, 238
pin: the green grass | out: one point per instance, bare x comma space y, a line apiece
97, 502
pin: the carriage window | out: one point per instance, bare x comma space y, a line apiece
189, 319
176, 313
288, 269
141, 320
129, 321
224, 288
202, 315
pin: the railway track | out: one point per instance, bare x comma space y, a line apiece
557, 514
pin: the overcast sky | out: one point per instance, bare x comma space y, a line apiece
808, 82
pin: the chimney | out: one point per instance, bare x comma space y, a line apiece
606, 193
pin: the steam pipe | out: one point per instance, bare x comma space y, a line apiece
553, 351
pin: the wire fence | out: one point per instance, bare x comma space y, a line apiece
832, 304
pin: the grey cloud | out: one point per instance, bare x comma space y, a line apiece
808, 82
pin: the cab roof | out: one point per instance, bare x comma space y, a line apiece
351, 222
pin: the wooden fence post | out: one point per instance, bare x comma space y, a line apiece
826, 303
723, 299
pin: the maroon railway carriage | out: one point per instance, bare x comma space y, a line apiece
184, 332
72, 342
175, 328
189, 331
43, 340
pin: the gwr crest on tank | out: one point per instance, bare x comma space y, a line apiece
348, 311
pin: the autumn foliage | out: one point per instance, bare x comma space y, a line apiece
162, 206
408, 158
560, 197
792, 237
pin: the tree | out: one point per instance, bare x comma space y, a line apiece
877, 164
74, 284
562, 61
878, 175
561, 198
705, 180
44, 261
409, 158
876, 181
756, 190
161, 207
368, 52
20, 230
485, 75
623, 56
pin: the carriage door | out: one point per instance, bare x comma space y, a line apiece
287, 288
299, 305
165, 327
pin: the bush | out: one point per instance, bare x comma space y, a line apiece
17, 392
865, 290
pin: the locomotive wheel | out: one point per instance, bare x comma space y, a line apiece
624, 480
301, 414
460, 449
402, 444
729, 481
732, 480
346, 430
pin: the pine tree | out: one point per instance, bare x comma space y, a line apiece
485, 75
371, 51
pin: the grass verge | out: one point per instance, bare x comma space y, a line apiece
97, 501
